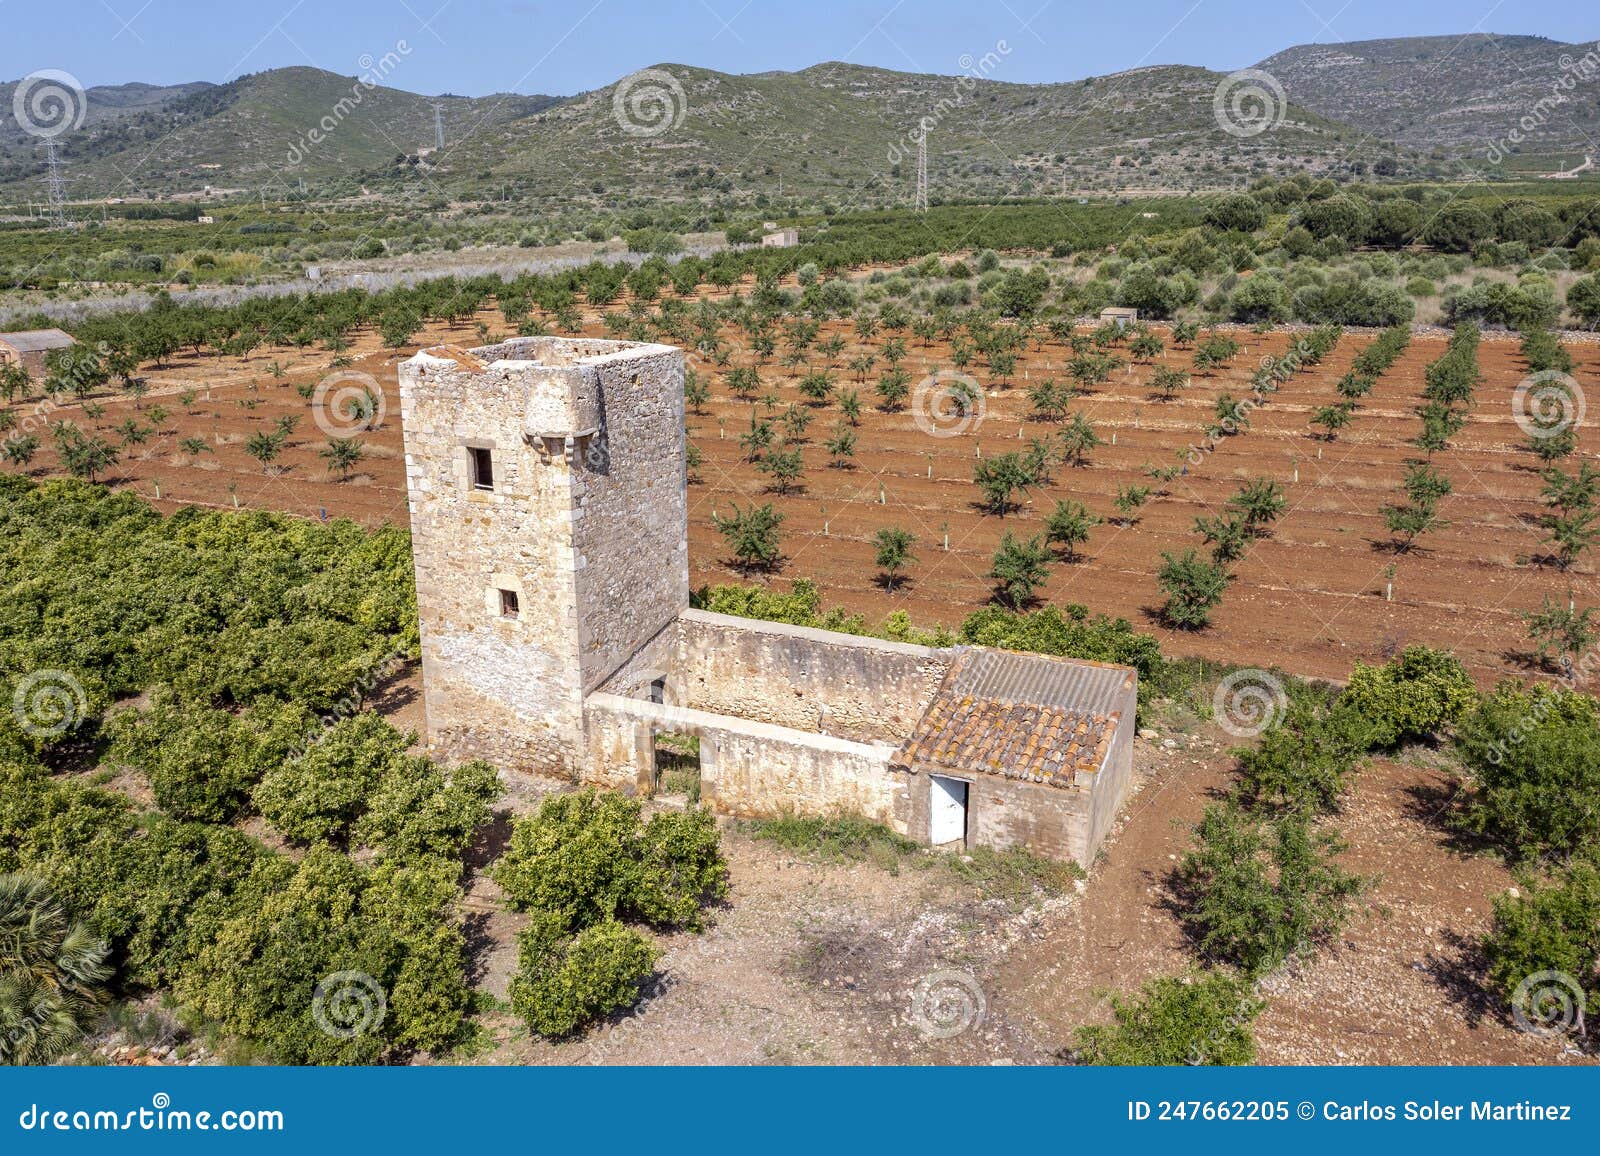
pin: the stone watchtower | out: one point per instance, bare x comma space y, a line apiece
549, 519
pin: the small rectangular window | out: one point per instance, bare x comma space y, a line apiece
480, 468
510, 606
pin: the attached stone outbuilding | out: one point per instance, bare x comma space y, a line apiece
29, 347
549, 513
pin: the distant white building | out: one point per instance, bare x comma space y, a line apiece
782, 239
206, 220
1119, 315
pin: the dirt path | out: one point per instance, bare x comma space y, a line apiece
818, 963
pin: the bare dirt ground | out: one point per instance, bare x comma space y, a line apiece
1311, 598
846, 963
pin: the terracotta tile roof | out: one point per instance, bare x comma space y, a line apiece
978, 723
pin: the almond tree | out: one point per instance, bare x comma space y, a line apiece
342, 456
1193, 587
1020, 567
1332, 419
1259, 503
784, 466
752, 535
999, 478
894, 554
1560, 630
1068, 526
1077, 439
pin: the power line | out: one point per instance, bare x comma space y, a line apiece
922, 171
56, 186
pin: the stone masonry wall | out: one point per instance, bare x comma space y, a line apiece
747, 768
863, 689
631, 524
511, 690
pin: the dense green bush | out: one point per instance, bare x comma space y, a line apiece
1370, 302
1262, 298
1532, 759
565, 981
1256, 891
1550, 927
320, 795
203, 762
152, 887
381, 940
241, 627
1531, 303
1189, 1019
1236, 213
582, 865
1305, 760
1068, 632
421, 808
1412, 696
588, 857
1583, 299
226, 608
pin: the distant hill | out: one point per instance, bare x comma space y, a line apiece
1456, 95
840, 132
846, 131
258, 131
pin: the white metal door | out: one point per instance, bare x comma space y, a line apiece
949, 818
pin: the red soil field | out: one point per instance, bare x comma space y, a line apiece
1311, 598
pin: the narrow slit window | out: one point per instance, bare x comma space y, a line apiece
480, 466
510, 605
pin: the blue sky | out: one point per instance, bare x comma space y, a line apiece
472, 47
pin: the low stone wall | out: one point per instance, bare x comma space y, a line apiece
844, 685
747, 768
